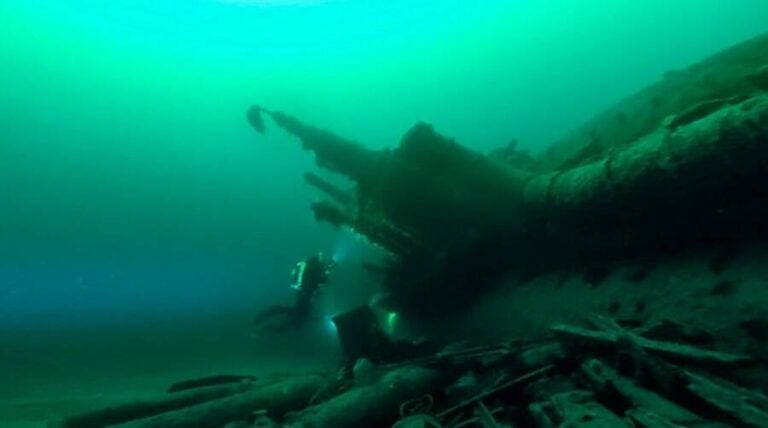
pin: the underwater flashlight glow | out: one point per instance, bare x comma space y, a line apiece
330, 326
342, 249
391, 321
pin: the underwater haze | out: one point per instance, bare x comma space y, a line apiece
143, 223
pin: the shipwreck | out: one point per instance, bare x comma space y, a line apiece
663, 193
678, 165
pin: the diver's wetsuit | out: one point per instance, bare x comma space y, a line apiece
308, 276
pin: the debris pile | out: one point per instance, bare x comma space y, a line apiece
601, 374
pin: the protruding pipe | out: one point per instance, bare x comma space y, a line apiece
332, 152
337, 194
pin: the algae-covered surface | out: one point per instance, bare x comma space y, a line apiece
531, 213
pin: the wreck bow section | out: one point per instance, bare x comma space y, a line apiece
678, 175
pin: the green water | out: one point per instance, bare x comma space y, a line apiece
142, 222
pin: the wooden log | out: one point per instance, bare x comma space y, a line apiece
580, 409
715, 399
278, 398
486, 418
152, 406
516, 382
674, 351
608, 383
734, 404
539, 415
365, 405
645, 418
209, 381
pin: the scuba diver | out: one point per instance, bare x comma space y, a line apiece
307, 277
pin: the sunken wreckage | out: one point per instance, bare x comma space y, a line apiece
674, 169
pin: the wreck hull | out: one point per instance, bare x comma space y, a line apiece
662, 175
737, 71
698, 184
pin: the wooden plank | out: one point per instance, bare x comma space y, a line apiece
747, 408
676, 351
